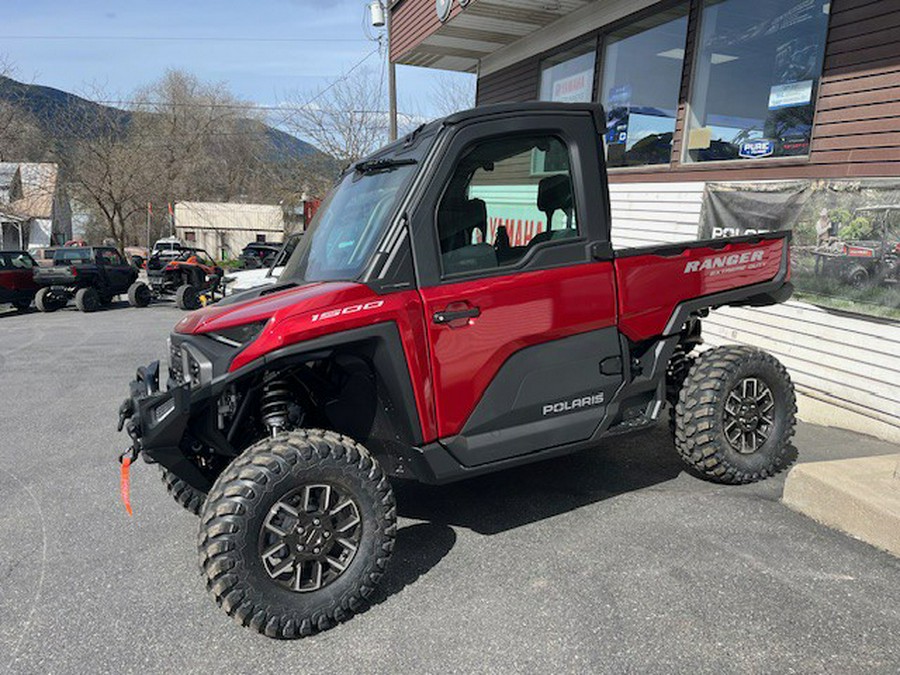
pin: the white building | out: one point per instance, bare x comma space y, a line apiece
34, 208
223, 229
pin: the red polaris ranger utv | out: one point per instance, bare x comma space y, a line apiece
455, 308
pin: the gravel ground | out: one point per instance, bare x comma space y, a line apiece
612, 560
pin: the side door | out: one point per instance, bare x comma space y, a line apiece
9, 279
521, 316
119, 274
24, 265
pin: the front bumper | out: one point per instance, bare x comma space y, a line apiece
159, 421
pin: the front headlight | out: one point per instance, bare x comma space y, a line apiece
238, 336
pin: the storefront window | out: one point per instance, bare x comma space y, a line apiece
642, 65
569, 76
755, 78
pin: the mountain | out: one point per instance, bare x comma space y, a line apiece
50, 107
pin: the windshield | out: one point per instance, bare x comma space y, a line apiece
349, 224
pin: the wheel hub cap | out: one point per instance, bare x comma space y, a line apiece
748, 415
310, 536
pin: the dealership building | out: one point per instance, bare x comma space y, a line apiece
724, 117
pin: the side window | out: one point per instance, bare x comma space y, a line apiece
23, 261
110, 257
505, 197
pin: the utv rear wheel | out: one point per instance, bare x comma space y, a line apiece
87, 299
139, 294
296, 533
187, 496
46, 301
187, 297
735, 415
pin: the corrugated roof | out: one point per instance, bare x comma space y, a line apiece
227, 216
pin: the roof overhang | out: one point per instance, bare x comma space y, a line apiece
487, 35
8, 216
472, 31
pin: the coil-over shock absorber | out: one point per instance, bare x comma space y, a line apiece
276, 398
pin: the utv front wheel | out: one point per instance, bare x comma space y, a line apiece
187, 297
735, 415
296, 533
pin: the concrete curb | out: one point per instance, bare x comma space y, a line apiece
858, 496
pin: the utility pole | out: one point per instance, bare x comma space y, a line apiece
392, 76
380, 13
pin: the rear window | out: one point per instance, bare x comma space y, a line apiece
72, 255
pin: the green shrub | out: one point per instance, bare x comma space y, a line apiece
858, 228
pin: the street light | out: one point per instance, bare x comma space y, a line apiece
380, 14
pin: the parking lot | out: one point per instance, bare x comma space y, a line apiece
612, 560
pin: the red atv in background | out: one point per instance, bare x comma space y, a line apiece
874, 259
410, 336
191, 276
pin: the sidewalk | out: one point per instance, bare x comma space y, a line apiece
858, 496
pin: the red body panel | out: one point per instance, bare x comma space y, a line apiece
651, 286
452, 364
516, 311
17, 281
314, 310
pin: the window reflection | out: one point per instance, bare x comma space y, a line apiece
755, 78
642, 65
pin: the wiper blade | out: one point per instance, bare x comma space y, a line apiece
379, 165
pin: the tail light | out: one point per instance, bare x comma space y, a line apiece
74, 271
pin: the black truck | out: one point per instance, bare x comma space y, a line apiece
92, 275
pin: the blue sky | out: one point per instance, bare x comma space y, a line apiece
116, 46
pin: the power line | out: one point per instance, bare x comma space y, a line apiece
179, 38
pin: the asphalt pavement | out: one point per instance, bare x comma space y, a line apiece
612, 560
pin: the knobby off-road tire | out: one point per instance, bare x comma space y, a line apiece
45, 302
327, 481
139, 294
190, 498
87, 299
735, 415
187, 297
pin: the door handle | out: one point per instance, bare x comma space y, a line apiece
448, 315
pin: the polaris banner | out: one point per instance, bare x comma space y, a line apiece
846, 235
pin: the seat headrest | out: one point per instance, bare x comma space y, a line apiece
555, 193
476, 213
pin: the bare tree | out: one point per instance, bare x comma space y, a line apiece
108, 170
179, 139
451, 92
345, 119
